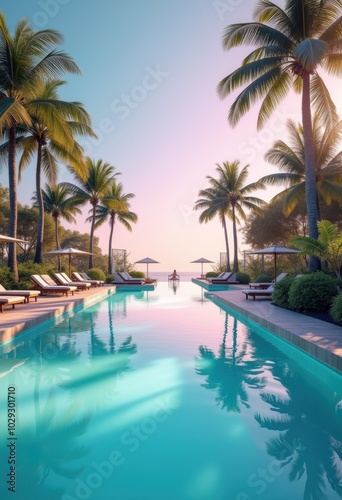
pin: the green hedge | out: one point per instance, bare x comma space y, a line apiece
243, 278
280, 295
264, 278
96, 274
312, 292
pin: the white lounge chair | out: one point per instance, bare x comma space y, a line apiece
10, 301
78, 277
28, 294
266, 292
62, 281
266, 285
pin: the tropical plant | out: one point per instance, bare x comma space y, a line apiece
51, 137
234, 197
27, 60
328, 246
58, 202
291, 160
115, 207
292, 43
213, 204
92, 185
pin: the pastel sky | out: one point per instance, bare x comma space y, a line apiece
150, 70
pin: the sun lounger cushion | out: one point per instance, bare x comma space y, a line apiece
10, 301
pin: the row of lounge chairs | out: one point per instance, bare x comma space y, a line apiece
45, 285
225, 278
123, 278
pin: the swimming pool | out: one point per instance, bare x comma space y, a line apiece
164, 395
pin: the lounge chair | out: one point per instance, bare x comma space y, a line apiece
87, 278
129, 279
62, 281
119, 280
28, 294
223, 279
45, 287
266, 292
10, 301
78, 277
266, 285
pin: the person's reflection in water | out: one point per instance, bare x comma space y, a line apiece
174, 284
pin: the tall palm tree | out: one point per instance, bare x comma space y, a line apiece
92, 186
115, 207
50, 138
292, 43
27, 59
58, 202
291, 160
214, 203
230, 185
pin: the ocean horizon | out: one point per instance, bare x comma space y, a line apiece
163, 275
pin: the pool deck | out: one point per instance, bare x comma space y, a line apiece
26, 316
318, 338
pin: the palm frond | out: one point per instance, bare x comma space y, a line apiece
322, 102
254, 34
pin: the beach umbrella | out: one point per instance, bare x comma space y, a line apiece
8, 239
147, 260
70, 252
202, 260
274, 250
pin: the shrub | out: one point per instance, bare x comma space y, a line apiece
312, 292
244, 278
280, 295
137, 274
96, 274
6, 277
211, 274
264, 278
26, 269
336, 309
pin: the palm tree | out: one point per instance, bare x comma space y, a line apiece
51, 137
58, 202
115, 206
92, 186
214, 204
230, 185
291, 160
297, 40
26, 60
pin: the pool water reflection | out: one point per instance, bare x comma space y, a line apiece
165, 395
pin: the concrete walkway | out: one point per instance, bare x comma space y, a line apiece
318, 338
25, 316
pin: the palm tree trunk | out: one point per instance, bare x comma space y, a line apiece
236, 260
112, 222
310, 170
13, 216
57, 243
40, 232
227, 243
91, 245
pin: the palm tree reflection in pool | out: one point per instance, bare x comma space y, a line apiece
229, 374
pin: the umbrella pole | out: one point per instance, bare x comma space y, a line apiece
69, 265
275, 268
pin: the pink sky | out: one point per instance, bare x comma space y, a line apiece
150, 73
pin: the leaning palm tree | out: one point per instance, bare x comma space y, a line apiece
61, 205
27, 59
51, 137
290, 159
115, 207
232, 188
294, 43
213, 203
91, 187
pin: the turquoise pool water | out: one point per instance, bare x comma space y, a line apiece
164, 395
